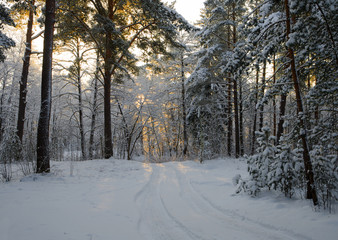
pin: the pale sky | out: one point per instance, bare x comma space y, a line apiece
189, 9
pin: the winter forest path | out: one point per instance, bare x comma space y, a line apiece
175, 209
123, 200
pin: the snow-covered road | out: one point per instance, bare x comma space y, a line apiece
182, 212
116, 199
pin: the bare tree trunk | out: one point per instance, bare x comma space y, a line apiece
311, 190
108, 144
261, 111
94, 111
6, 113
24, 74
2, 99
280, 127
234, 32
82, 135
80, 107
241, 124
184, 113
317, 115
43, 159
237, 148
129, 152
274, 98
229, 120
229, 110
254, 128
54, 136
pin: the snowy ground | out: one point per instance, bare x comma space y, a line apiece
128, 200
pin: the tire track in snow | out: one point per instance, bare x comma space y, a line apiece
194, 217
183, 227
199, 222
222, 225
154, 222
191, 234
269, 230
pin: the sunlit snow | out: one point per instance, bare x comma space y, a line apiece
120, 199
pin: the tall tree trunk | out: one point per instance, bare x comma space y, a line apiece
54, 136
24, 74
234, 32
2, 99
184, 113
311, 190
80, 104
229, 108
317, 115
108, 144
261, 111
274, 98
129, 148
254, 127
43, 159
6, 115
241, 124
280, 127
237, 147
229, 116
94, 110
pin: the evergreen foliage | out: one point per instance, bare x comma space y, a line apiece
316, 67
5, 42
260, 165
287, 170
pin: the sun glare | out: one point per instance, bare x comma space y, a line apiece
189, 9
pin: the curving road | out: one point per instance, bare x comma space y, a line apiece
123, 200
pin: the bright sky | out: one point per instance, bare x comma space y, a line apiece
189, 9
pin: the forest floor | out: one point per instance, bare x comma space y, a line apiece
128, 200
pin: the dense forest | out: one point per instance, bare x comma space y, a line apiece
253, 78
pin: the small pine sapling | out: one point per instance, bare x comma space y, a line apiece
259, 165
326, 174
287, 170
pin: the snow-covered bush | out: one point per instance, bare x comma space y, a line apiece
326, 175
259, 165
273, 167
10, 151
286, 170
245, 185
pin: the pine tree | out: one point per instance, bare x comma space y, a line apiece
211, 87
5, 42
311, 190
297, 25
260, 164
286, 169
43, 158
24, 7
120, 25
